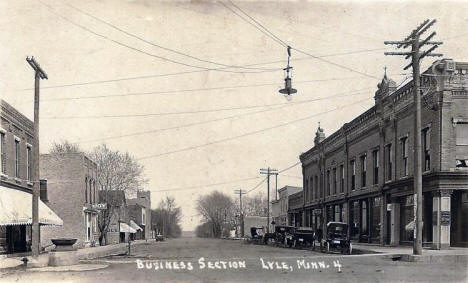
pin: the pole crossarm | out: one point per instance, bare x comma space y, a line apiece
398, 53
37, 68
407, 42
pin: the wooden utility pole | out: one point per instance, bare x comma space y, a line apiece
241, 214
416, 56
39, 74
269, 171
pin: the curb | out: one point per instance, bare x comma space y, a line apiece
435, 258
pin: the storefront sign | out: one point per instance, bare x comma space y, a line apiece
317, 212
445, 218
101, 206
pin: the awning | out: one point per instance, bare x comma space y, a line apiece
135, 226
16, 209
124, 228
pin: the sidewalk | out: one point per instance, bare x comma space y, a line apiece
83, 254
405, 253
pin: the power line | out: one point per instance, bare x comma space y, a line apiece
208, 185
303, 52
180, 112
245, 134
145, 52
264, 30
184, 90
257, 185
290, 167
198, 123
157, 45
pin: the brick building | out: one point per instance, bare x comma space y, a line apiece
139, 209
362, 173
119, 229
280, 206
16, 182
73, 194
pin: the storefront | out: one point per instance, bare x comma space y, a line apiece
16, 219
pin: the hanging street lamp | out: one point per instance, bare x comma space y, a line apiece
288, 90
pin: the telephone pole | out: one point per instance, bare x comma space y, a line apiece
39, 74
416, 55
241, 214
269, 171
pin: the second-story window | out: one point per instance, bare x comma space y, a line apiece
363, 170
375, 161
312, 189
404, 156
353, 174
335, 189
388, 162
317, 190
342, 178
426, 145
17, 158
328, 182
28, 163
2, 153
306, 190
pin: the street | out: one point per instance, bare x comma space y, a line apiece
217, 260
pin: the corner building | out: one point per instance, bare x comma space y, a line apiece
363, 173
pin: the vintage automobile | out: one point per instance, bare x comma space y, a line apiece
159, 238
282, 235
304, 237
337, 238
257, 232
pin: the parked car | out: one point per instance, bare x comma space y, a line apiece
304, 237
337, 238
159, 238
282, 235
257, 232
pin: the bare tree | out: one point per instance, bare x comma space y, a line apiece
64, 146
117, 171
218, 209
166, 218
255, 205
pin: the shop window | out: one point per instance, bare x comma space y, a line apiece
337, 213
364, 218
354, 217
407, 219
376, 204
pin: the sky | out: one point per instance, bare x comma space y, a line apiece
190, 88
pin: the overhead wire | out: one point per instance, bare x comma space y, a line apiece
145, 52
207, 121
246, 134
182, 112
158, 45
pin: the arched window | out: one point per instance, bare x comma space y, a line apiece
86, 190
90, 191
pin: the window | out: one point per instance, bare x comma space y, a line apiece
306, 190
426, 140
328, 182
2, 153
342, 178
317, 187
335, 189
17, 158
90, 191
86, 190
388, 162
404, 156
312, 189
363, 170
28, 163
375, 160
353, 174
